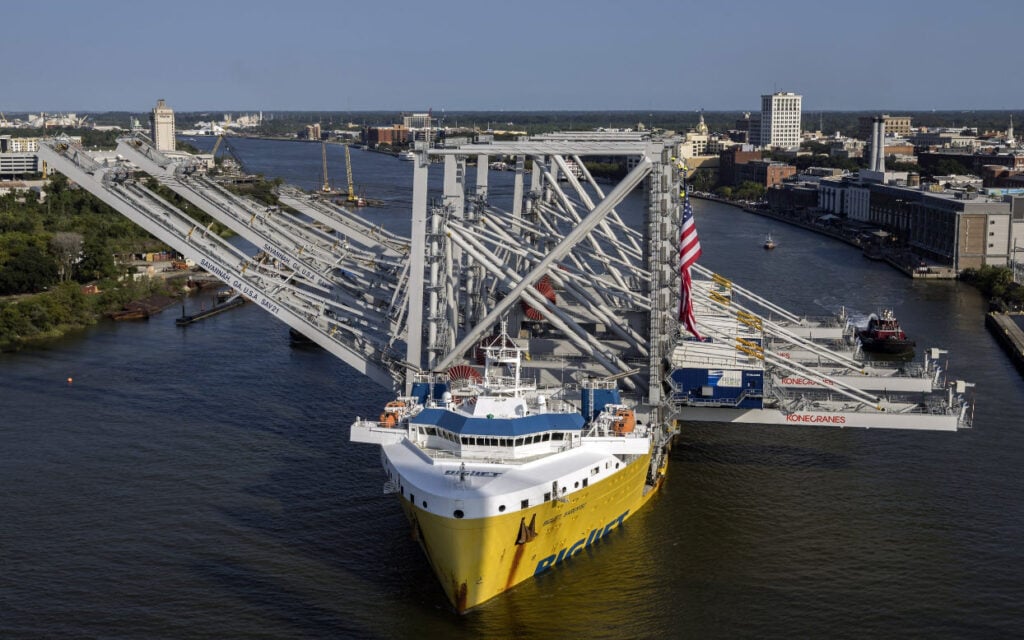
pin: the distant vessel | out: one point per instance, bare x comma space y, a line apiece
884, 335
407, 155
768, 242
502, 480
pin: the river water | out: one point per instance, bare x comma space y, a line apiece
199, 482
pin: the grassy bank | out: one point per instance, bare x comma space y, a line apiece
28, 319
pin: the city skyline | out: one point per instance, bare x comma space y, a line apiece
657, 56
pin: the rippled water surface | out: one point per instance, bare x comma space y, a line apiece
198, 482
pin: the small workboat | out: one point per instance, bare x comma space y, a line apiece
884, 335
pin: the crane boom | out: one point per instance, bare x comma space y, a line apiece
326, 188
348, 174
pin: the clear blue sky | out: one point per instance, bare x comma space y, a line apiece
516, 55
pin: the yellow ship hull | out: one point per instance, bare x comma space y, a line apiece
478, 559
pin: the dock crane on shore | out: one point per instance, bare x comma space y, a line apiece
326, 188
216, 145
352, 198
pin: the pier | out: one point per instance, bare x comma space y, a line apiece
1007, 330
216, 309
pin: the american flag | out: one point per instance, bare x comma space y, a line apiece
689, 251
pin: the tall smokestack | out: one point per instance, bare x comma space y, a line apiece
873, 158
880, 164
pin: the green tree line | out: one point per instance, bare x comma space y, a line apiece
996, 284
48, 248
64, 307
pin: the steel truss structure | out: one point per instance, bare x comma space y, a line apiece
577, 283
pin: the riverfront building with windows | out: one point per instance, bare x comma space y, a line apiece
780, 120
161, 122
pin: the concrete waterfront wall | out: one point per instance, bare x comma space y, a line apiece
1009, 335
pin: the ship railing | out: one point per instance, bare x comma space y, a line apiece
504, 456
598, 383
706, 402
603, 430
511, 382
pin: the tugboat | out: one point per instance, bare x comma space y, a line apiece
768, 242
884, 335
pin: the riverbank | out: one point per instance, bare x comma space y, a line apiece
28, 320
1008, 332
908, 263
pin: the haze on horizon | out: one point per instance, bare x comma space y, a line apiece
659, 55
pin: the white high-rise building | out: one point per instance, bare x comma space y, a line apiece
161, 123
780, 120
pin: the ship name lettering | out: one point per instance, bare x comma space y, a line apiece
248, 291
575, 509
578, 546
805, 417
277, 253
214, 269
472, 474
270, 306
804, 381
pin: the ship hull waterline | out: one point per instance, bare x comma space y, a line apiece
478, 559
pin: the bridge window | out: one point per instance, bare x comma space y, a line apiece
547, 436
519, 442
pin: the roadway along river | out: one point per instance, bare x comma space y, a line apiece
199, 483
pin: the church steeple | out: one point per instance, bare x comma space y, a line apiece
702, 128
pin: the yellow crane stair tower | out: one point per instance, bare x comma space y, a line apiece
352, 197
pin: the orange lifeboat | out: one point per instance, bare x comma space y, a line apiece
624, 422
392, 410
